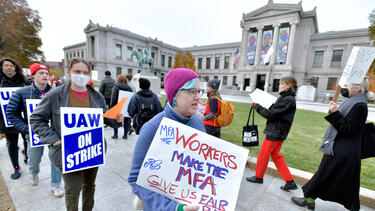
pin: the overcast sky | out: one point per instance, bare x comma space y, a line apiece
176, 22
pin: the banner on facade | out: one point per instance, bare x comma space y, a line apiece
266, 43
82, 138
357, 65
194, 168
129, 95
251, 47
282, 45
34, 139
5, 94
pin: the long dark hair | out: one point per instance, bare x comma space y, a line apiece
19, 73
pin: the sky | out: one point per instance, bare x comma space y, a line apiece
176, 22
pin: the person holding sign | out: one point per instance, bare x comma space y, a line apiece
17, 114
183, 93
11, 75
121, 84
73, 93
338, 176
212, 108
279, 121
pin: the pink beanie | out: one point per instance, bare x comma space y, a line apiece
175, 79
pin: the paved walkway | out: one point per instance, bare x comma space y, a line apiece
114, 193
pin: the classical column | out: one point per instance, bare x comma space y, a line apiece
274, 41
291, 42
259, 45
243, 47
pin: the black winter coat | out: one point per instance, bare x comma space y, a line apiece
279, 116
106, 86
115, 91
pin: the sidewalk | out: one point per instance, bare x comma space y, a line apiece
114, 193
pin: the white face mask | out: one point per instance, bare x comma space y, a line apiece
80, 80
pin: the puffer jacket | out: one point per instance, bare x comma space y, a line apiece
106, 86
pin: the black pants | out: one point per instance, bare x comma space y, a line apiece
12, 144
215, 131
108, 102
75, 182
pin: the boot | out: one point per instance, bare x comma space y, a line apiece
290, 185
302, 202
255, 179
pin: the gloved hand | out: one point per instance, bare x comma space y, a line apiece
253, 105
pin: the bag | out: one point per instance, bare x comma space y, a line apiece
368, 141
226, 114
250, 133
145, 111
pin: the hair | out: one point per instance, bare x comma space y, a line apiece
107, 73
19, 73
121, 79
129, 77
291, 81
188, 85
78, 60
364, 86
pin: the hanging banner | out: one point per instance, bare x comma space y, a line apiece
5, 94
252, 41
82, 141
266, 43
34, 139
194, 168
282, 45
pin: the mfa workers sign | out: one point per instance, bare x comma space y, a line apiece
31, 105
82, 138
194, 168
5, 94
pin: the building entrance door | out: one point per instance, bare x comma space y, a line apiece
261, 81
247, 83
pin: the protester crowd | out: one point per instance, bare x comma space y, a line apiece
337, 178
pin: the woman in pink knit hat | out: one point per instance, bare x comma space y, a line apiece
183, 93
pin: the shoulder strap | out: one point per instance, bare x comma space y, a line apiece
248, 119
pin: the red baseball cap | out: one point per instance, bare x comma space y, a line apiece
36, 66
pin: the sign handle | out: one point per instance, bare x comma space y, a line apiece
338, 90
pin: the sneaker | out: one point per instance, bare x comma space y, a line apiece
34, 180
255, 179
57, 191
290, 185
131, 130
125, 137
16, 173
114, 137
302, 202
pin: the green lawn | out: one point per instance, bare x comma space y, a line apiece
301, 147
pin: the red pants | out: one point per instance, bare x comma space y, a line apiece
272, 148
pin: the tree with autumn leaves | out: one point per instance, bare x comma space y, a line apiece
19, 27
185, 60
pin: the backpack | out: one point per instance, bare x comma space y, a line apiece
226, 114
145, 110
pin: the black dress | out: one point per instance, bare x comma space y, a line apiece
338, 176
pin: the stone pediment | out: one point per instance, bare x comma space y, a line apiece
90, 27
272, 9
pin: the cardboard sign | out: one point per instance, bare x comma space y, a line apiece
263, 98
82, 138
194, 167
357, 65
5, 94
129, 95
31, 105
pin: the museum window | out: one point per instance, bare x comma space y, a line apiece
118, 71
74, 54
153, 55
130, 50
163, 60
225, 80
92, 44
331, 83
169, 61
234, 81
318, 59
78, 54
275, 85
118, 51
83, 55
130, 71
216, 77
226, 62
162, 77
336, 58
208, 62
217, 62
200, 63
314, 81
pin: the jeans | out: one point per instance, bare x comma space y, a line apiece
75, 182
35, 155
126, 127
12, 144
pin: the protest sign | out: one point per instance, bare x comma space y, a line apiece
357, 65
82, 138
5, 94
263, 98
193, 168
115, 110
31, 105
129, 95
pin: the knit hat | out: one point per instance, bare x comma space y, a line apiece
107, 73
215, 83
36, 66
175, 79
144, 83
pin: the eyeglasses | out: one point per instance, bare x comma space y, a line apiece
194, 92
8, 65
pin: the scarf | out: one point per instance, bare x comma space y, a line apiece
331, 132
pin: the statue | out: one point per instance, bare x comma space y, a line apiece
143, 58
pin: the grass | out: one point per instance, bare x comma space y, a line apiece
301, 147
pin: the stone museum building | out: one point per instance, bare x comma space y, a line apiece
277, 40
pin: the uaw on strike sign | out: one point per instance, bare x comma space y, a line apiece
192, 167
82, 138
5, 94
31, 105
